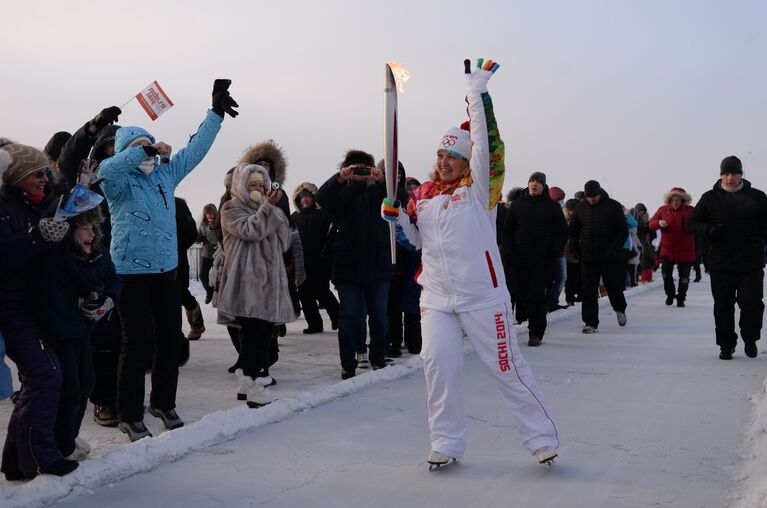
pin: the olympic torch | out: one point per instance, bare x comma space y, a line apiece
394, 74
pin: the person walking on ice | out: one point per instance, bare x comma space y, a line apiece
452, 219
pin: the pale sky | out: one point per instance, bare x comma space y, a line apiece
640, 95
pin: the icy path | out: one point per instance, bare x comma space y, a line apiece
648, 416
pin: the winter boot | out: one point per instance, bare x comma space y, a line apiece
104, 416
589, 329
534, 341
751, 350
265, 380
621, 318
363, 362
346, 374
81, 451
258, 395
169, 417
245, 383
196, 323
670, 300
61, 467
135, 430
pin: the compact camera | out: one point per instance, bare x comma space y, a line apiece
362, 171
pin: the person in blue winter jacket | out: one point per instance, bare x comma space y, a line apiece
140, 194
6, 381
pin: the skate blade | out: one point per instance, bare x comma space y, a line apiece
548, 462
433, 466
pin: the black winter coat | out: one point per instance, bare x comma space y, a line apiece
78, 148
20, 242
61, 280
743, 218
598, 232
313, 225
534, 232
361, 250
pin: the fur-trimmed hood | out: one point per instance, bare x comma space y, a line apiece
240, 183
677, 191
271, 151
304, 186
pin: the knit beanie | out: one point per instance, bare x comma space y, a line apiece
592, 189
55, 144
457, 142
25, 160
537, 177
730, 164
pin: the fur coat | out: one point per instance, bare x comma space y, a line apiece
253, 280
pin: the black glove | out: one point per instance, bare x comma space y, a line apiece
222, 101
107, 116
716, 233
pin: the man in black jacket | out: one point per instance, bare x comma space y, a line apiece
362, 267
598, 231
534, 234
313, 225
732, 217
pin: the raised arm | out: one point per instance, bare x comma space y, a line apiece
487, 152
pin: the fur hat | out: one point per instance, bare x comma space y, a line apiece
592, 189
92, 217
677, 192
272, 152
23, 161
457, 141
55, 144
357, 157
731, 164
538, 177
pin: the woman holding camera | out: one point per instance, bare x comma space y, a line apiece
452, 219
254, 288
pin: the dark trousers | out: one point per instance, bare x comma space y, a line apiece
531, 284
610, 271
573, 283
77, 379
358, 301
315, 290
255, 345
149, 313
182, 276
30, 444
205, 265
412, 333
106, 339
667, 272
394, 311
745, 288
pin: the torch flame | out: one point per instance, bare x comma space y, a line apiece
401, 75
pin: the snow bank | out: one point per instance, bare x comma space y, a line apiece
752, 477
146, 454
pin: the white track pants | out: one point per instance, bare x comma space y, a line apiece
495, 343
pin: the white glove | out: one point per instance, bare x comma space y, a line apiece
98, 309
477, 81
51, 230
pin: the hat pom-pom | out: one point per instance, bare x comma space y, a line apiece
466, 126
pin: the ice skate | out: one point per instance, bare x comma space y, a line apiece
436, 460
546, 455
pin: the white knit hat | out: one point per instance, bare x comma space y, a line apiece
458, 142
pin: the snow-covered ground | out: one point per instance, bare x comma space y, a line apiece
648, 416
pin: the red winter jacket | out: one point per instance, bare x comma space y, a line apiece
677, 244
